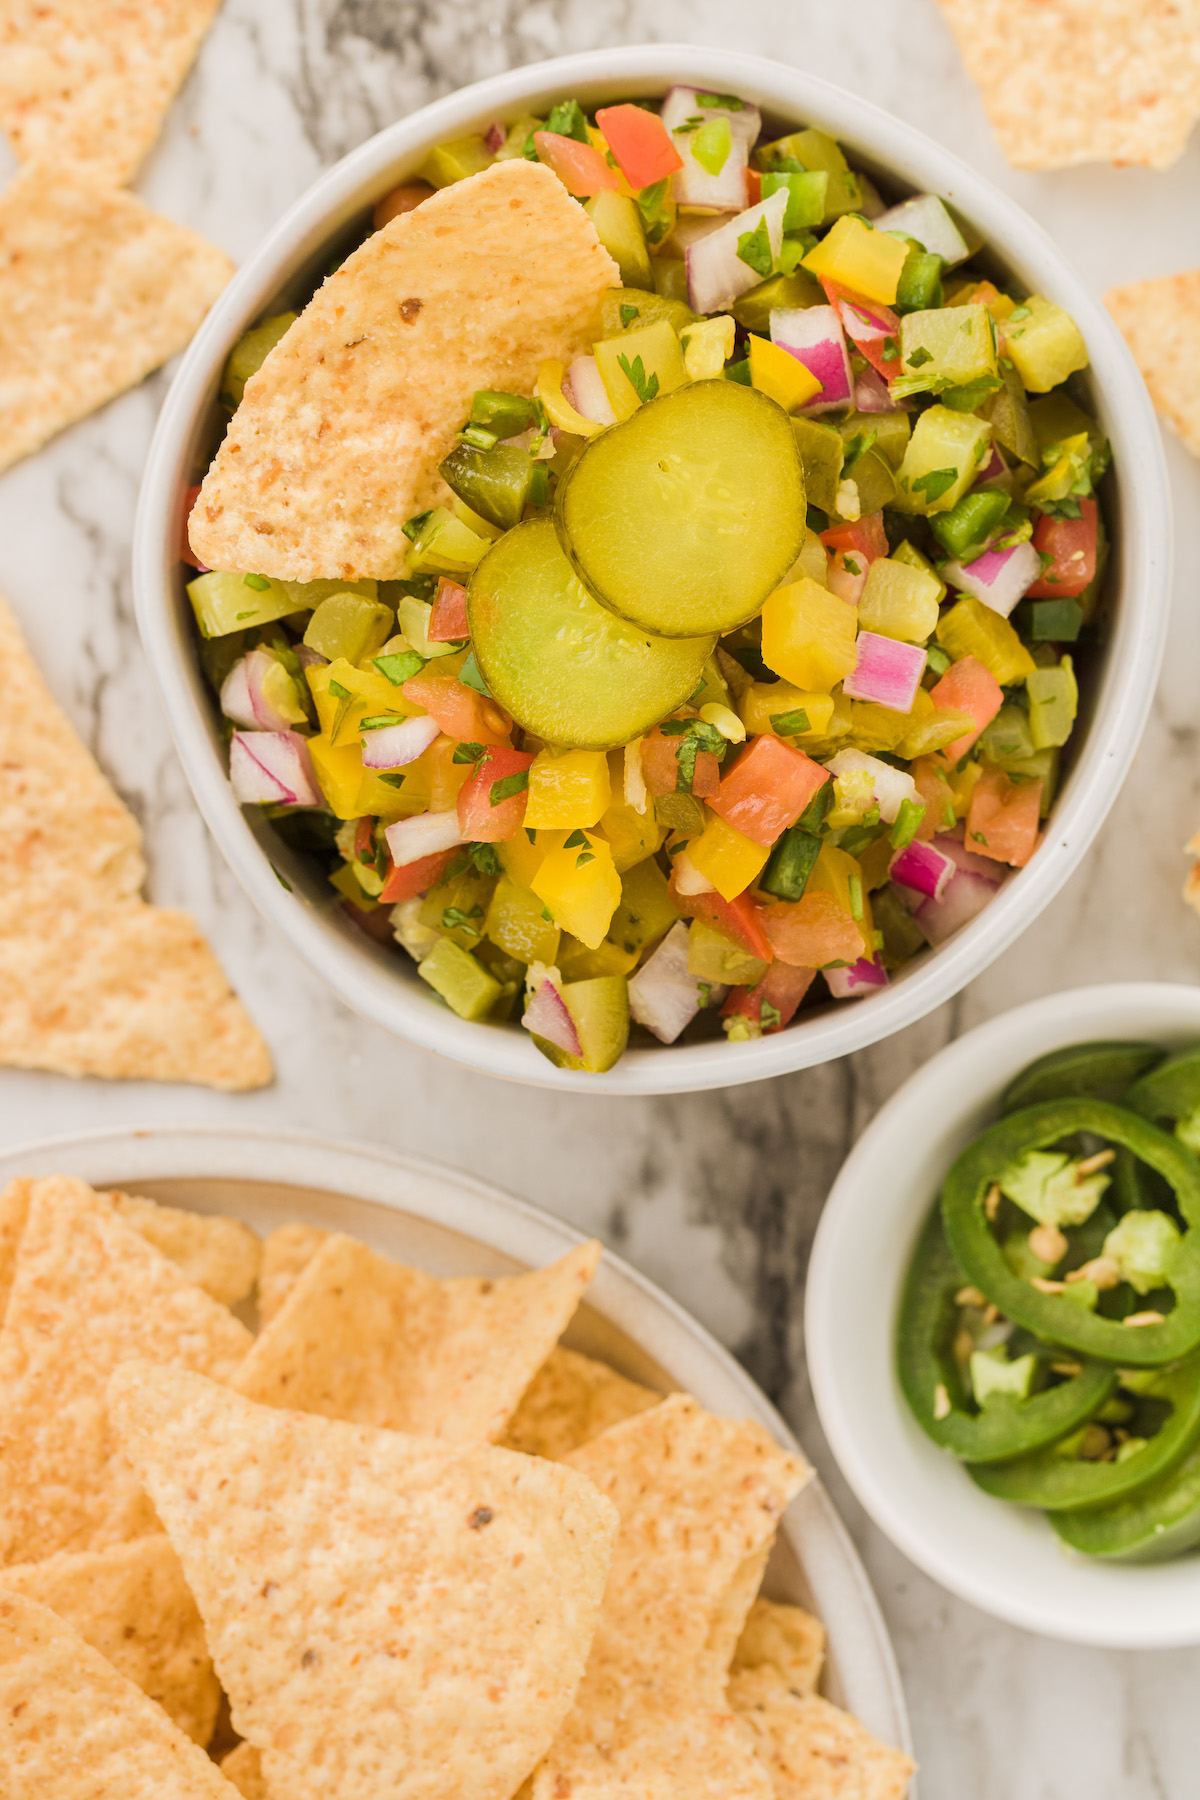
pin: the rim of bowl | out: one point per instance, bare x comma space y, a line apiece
1111, 1605
359, 971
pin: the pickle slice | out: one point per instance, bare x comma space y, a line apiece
566, 668
684, 517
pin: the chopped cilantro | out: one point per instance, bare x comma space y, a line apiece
567, 120
919, 358
485, 859
531, 834
394, 781
790, 724
508, 785
470, 677
260, 583
246, 615
467, 753
848, 563
584, 858
455, 919
657, 213
379, 721
412, 528
1020, 312
644, 386
629, 313
770, 1017
890, 351
576, 841
399, 667
339, 692
754, 249
935, 484
727, 102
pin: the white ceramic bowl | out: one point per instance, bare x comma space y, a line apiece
383, 986
1003, 1558
452, 1224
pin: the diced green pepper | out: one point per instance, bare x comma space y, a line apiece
966, 528
821, 451
791, 863
806, 196
816, 151
463, 983
505, 415
1054, 621
250, 353
920, 281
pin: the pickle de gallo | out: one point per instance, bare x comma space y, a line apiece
742, 649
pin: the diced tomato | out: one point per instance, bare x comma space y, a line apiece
459, 710
812, 931
448, 615
767, 789
364, 840
414, 878
580, 167
1071, 545
483, 816
852, 549
753, 187
872, 328
660, 768
935, 791
782, 987
640, 142
739, 919
1003, 820
967, 686
403, 199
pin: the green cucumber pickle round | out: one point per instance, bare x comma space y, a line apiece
688, 515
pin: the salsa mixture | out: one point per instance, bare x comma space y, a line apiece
740, 650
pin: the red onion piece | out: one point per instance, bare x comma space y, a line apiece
860, 978
966, 860
814, 336
716, 274
272, 768
590, 394
965, 896
887, 671
495, 137
926, 218
423, 835
547, 1017
871, 394
662, 995
995, 472
999, 577
923, 868
395, 746
235, 697
694, 185
891, 787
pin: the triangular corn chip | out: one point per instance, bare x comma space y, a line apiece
72, 1728
699, 1498
1073, 81
132, 1604
96, 291
786, 1639
90, 81
1158, 319
812, 1748
92, 981
88, 1293
362, 1338
243, 1767
220, 1255
390, 1616
570, 1401
285, 1252
339, 436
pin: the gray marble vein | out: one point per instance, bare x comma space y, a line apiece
714, 1196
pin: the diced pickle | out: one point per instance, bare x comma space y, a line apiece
754, 309
629, 308
349, 625
250, 353
565, 667
619, 227
685, 517
600, 1010
225, 601
493, 483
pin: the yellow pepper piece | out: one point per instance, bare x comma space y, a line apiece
522, 859
868, 261
352, 791
767, 700
633, 835
651, 351
580, 885
707, 347
840, 874
567, 788
969, 628
559, 410
808, 635
372, 693
727, 858
516, 923
962, 786
780, 375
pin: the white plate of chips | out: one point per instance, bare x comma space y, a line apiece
438, 1224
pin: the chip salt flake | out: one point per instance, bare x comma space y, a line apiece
1073, 81
338, 439
72, 1727
359, 1337
570, 1401
285, 1252
812, 1748
786, 1639
96, 291
90, 81
131, 1603
88, 1293
389, 1615
1158, 319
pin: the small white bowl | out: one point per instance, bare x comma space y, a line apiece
1003, 1558
382, 985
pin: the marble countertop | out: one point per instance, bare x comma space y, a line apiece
715, 1196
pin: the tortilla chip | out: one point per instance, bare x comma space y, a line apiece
698, 1497
90, 81
365, 1594
1065, 81
1158, 319
96, 291
786, 1639
88, 1293
338, 439
243, 1767
285, 1252
733, 1610
362, 1338
813, 1750
132, 1604
74, 1728
570, 1401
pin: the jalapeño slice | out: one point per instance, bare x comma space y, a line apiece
686, 516
1101, 1071
1159, 1521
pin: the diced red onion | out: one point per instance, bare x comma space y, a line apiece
693, 185
272, 768
394, 746
308, 658
688, 229
860, 978
688, 878
926, 218
745, 121
871, 394
235, 696
966, 861
995, 472
716, 274
496, 136
591, 395
814, 336
244, 698
891, 787
887, 671
423, 835
546, 1015
663, 996
636, 794
865, 321
965, 896
999, 577
921, 867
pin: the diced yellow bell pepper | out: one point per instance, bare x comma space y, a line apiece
874, 727
707, 347
568, 789
808, 635
577, 963
517, 924
580, 885
780, 375
352, 791
647, 911
633, 835
521, 856
1045, 344
838, 873
970, 628
370, 692
727, 858
436, 773
656, 348
931, 727
868, 261
962, 786
766, 701
559, 410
